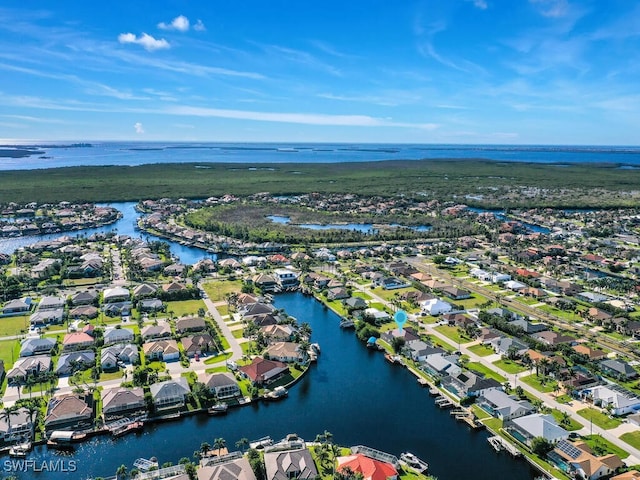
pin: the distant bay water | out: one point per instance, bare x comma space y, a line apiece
61, 154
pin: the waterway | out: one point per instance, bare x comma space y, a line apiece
367, 228
124, 226
351, 392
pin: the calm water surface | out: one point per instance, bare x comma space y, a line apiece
351, 392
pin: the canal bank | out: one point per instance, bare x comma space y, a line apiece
352, 392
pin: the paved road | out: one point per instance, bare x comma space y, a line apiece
236, 349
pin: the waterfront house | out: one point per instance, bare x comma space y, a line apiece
618, 399
223, 385
69, 363
198, 344
164, 350
162, 330
69, 412
117, 335
77, 341
355, 303
418, 350
278, 332
378, 316
34, 346
28, 366
441, 364
285, 352
235, 467
337, 293
468, 384
265, 282
262, 371
250, 310
408, 334
505, 407
264, 320
123, 402
231, 263
369, 468
18, 426
285, 465
618, 369
190, 324
526, 428
577, 459
170, 394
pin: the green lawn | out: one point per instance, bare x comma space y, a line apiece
452, 333
223, 309
602, 446
632, 438
237, 333
389, 295
487, 372
494, 424
479, 412
9, 351
509, 366
10, 326
185, 307
481, 350
217, 359
599, 418
536, 382
571, 426
217, 289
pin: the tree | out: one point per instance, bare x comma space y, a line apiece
122, 472
541, 446
397, 344
219, 443
204, 448
242, 443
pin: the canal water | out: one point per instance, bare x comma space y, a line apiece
351, 392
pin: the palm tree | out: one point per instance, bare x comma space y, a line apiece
219, 443
242, 443
204, 448
7, 413
122, 472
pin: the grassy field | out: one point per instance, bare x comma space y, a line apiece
486, 371
600, 419
217, 289
571, 426
452, 333
185, 307
10, 326
632, 438
481, 350
602, 446
575, 188
536, 382
509, 366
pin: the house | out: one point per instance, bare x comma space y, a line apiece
236, 468
175, 269
69, 363
163, 350
261, 370
223, 385
28, 366
619, 400
591, 353
468, 384
455, 293
505, 407
592, 297
337, 293
231, 263
150, 305
618, 369
526, 428
377, 315
34, 346
69, 412
88, 297
286, 279
18, 426
408, 334
117, 335
122, 402
111, 357
144, 290
115, 294
117, 308
77, 341
285, 352
279, 332
259, 308
198, 344
435, 307
418, 350
440, 365
46, 317
552, 338
391, 283
17, 306
190, 324
369, 468
514, 285
265, 282
173, 287
509, 346
161, 330
578, 460
629, 475
170, 394
285, 465
83, 311
528, 327
355, 303
50, 303
458, 319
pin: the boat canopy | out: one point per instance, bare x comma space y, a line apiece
61, 436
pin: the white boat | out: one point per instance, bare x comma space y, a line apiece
218, 409
410, 460
277, 393
20, 450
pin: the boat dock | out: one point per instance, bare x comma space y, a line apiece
498, 443
444, 402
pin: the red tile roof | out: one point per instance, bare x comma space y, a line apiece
370, 469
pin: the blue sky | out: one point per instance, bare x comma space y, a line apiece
432, 71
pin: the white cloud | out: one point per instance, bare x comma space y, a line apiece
552, 8
138, 127
148, 42
199, 26
481, 4
180, 23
